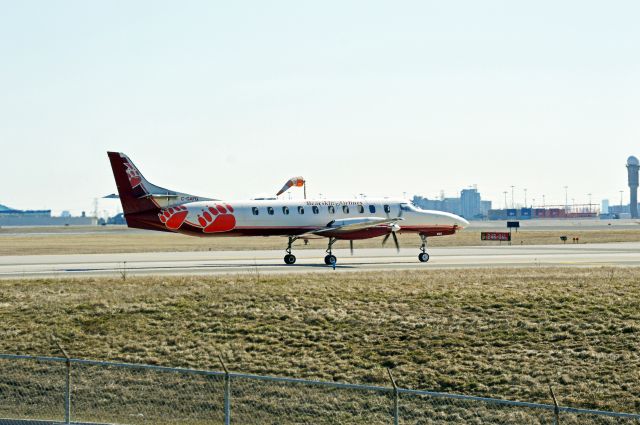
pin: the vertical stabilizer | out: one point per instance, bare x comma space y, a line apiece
141, 200
131, 185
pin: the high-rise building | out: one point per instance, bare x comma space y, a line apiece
470, 203
632, 171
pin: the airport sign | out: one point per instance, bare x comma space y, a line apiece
495, 236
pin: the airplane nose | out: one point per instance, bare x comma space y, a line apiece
461, 223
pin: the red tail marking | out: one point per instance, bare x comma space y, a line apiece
219, 222
173, 217
133, 174
222, 223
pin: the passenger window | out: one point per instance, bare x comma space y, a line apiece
315, 209
270, 210
360, 209
331, 209
387, 209
285, 210
372, 209
255, 211
300, 210
345, 209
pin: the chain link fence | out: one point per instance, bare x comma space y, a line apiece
52, 390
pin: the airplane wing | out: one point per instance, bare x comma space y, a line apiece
352, 224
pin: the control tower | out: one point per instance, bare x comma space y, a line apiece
632, 169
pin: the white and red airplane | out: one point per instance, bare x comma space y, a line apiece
147, 206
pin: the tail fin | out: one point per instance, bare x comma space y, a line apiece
131, 185
137, 195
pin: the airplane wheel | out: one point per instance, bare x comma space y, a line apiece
289, 259
330, 260
423, 257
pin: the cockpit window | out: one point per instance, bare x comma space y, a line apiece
416, 207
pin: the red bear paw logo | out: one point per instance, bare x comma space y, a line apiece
173, 217
217, 218
132, 173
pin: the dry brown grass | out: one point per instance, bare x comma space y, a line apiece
500, 333
116, 241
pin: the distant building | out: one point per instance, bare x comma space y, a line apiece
605, 206
485, 207
13, 217
619, 209
575, 212
469, 205
116, 219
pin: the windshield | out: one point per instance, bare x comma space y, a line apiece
413, 206
408, 207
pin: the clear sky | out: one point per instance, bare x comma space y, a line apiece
230, 99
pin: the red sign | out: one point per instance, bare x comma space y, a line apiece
495, 236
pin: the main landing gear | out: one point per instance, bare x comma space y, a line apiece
290, 258
330, 259
423, 256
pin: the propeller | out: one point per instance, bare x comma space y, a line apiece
394, 229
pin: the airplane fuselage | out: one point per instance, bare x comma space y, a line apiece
297, 217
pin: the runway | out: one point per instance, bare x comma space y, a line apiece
311, 260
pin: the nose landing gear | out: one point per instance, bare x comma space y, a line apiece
423, 256
290, 258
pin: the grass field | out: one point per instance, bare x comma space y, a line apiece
119, 240
499, 333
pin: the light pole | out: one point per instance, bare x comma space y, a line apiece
589, 202
505, 200
525, 197
533, 204
513, 205
621, 192
544, 203
566, 198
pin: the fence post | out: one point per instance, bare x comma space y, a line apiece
67, 388
556, 408
227, 393
396, 397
